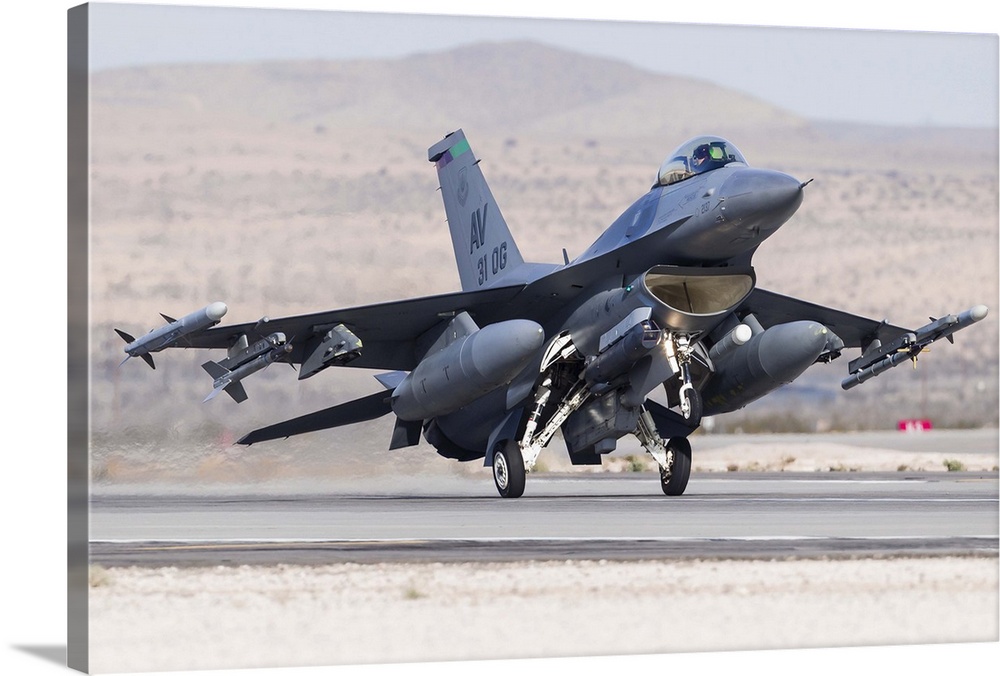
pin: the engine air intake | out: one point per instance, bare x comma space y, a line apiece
695, 299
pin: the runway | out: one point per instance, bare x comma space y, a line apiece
579, 516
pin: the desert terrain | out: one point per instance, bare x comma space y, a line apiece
233, 617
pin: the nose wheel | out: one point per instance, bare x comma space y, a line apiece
508, 470
691, 405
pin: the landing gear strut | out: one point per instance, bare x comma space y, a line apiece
673, 456
679, 350
566, 387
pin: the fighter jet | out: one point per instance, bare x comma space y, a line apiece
665, 298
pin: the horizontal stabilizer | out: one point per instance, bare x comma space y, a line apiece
367, 408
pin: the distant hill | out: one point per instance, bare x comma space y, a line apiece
509, 88
491, 87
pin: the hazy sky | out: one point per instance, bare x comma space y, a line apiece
889, 77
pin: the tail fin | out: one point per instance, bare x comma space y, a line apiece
484, 248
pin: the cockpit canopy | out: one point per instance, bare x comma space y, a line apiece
697, 156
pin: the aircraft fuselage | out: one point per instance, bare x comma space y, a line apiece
716, 220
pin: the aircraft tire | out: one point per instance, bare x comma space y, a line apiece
680, 472
694, 415
508, 470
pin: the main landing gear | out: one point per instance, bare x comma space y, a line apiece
565, 390
673, 456
674, 481
512, 460
508, 470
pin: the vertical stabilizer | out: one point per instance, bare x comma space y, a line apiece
484, 248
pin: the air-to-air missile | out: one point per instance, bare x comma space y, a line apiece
175, 329
465, 368
878, 358
244, 361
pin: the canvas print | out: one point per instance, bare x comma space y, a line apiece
426, 338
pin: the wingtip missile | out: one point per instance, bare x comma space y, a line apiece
169, 334
908, 346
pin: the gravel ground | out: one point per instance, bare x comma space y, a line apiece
235, 617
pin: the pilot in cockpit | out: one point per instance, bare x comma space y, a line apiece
697, 156
700, 156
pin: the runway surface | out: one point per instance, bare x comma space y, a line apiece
593, 516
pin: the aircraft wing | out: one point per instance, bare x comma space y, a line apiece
388, 331
771, 308
884, 346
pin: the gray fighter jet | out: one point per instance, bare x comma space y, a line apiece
666, 297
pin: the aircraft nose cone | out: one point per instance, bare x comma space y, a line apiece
759, 199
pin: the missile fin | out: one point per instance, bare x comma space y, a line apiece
146, 357
124, 336
211, 395
215, 369
236, 391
